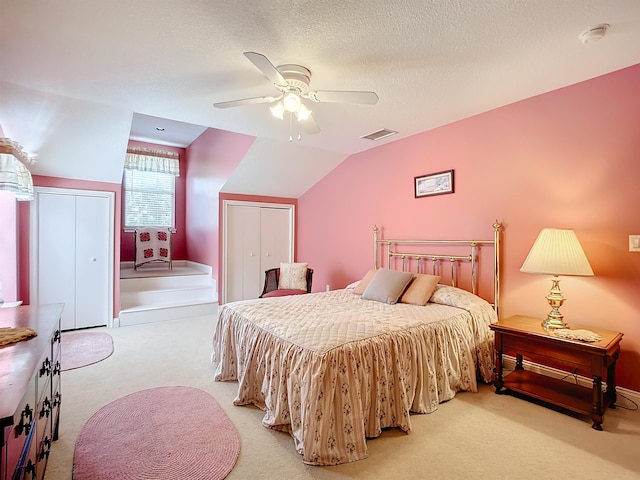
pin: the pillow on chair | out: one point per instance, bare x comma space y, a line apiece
293, 276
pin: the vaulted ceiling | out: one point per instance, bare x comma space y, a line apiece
78, 79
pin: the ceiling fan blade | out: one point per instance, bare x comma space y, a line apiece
266, 67
332, 96
309, 125
244, 101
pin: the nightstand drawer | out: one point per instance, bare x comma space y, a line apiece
540, 351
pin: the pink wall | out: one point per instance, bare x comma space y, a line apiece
24, 230
211, 159
566, 159
179, 238
8, 247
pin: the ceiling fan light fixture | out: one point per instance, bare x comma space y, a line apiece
291, 102
277, 110
303, 112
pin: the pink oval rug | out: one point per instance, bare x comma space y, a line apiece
79, 349
164, 433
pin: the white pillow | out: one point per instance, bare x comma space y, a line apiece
293, 276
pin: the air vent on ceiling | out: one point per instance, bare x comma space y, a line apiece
380, 134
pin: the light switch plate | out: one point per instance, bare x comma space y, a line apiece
634, 243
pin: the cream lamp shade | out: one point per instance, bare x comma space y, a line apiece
556, 252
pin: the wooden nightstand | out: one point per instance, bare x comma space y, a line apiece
524, 337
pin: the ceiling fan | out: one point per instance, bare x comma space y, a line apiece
292, 82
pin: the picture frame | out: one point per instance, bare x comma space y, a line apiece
438, 183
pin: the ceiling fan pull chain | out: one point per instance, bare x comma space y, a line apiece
297, 126
290, 127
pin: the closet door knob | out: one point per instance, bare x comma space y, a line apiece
93, 259
252, 254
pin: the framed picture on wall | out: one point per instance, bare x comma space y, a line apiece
431, 184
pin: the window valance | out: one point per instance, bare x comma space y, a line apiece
14, 175
147, 160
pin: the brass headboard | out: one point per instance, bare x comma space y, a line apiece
391, 249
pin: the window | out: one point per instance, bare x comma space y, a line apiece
149, 189
149, 199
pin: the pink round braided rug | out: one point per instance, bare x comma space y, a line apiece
164, 433
80, 348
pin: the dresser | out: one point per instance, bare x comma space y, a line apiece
29, 392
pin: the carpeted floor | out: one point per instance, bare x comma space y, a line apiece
82, 348
163, 433
474, 436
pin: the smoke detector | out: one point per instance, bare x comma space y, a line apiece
594, 33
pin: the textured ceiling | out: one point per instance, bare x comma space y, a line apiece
92, 73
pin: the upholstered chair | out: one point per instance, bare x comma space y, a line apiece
272, 280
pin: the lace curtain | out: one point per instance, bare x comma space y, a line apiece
147, 160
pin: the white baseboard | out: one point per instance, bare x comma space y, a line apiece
509, 363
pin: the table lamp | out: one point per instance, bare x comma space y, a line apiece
556, 252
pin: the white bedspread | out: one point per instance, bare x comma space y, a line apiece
332, 369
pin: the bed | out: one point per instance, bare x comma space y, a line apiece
334, 368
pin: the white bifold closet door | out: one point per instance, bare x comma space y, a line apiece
257, 238
74, 237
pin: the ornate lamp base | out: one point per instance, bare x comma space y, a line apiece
551, 322
555, 318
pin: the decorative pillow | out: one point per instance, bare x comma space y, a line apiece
420, 289
386, 286
362, 285
293, 276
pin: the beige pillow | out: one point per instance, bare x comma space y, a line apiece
386, 286
293, 276
359, 289
420, 289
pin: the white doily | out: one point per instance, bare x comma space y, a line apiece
582, 335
